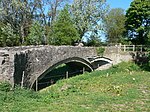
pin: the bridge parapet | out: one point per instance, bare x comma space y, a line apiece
116, 54
119, 53
133, 48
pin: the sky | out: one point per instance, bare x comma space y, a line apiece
124, 4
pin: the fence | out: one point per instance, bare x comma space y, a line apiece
51, 78
133, 48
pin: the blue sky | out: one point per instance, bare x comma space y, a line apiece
124, 4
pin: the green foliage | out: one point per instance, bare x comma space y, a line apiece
148, 36
87, 14
114, 25
7, 36
5, 86
125, 67
19, 15
94, 40
100, 51
146, 65
36, 35
63, 30
138, 21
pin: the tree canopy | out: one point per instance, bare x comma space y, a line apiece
22, 14
63, 30
47, 22
87, 15
114, 25
138, 21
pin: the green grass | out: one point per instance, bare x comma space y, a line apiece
122, 88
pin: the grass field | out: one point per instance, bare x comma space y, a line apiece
122, 88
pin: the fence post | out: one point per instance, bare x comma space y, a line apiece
141, 48
98, 65
36, 84
83, 70
22, 79
133, 48
66, 74
124, 47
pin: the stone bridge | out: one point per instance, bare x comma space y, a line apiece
25, 64
30, 62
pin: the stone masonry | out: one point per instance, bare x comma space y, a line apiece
32, 61
35, 60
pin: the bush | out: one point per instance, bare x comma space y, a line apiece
100, 51
7, 36
5, 86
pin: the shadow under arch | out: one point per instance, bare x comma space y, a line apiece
73, 62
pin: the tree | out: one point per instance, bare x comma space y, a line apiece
138, 21
94, 40
47, 10
148, 36
36, 35
7, 36
63, 30
115, 25
19, 14
53, 9
87, 15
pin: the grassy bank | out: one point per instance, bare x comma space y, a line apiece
124, 87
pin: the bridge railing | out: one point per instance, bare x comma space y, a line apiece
133, 48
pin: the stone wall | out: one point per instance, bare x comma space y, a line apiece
117, 55
8, 61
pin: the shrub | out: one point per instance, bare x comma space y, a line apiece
100, 51
8, 36
5, 86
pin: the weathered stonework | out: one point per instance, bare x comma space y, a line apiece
117, 55
35, 60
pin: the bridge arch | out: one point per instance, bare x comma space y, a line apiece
75, 61
100, 61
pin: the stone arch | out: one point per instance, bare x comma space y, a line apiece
100, 61
85, 63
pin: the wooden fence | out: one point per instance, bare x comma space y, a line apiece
133, 48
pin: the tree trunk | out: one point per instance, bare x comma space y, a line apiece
22, 34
